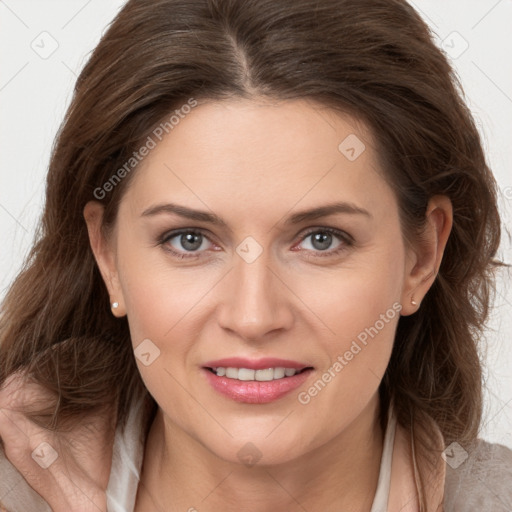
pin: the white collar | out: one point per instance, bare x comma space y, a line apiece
127, 457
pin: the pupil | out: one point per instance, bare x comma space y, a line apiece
324, 240
191, 241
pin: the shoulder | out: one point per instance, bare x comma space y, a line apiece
478, 477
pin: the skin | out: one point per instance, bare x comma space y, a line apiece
77, 478
254, 163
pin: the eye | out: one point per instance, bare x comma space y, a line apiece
185, 243
191, 243
321, 239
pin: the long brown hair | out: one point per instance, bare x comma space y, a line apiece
374, 59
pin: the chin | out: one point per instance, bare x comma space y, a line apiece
257, 451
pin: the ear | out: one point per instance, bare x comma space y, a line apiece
424, 257
105, 255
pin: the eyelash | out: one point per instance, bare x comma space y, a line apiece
346, 239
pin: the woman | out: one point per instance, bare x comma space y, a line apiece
265, 261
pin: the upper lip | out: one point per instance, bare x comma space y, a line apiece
255, 364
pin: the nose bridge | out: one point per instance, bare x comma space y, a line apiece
253, 303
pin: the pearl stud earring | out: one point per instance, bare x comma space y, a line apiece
413, 302
115, 305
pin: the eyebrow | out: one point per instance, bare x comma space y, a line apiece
296, 218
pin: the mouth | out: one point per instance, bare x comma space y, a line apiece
256, 382
263, 375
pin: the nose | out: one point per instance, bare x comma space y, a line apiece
256, 301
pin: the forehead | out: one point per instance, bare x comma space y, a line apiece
260, 154
255, 131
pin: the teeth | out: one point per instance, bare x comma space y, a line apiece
242, 374
232, 373
260, 375
279, 373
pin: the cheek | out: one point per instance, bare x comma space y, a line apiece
357, 309
352, 297
161, 306
165, 305
361, 312
160, 302
153, 295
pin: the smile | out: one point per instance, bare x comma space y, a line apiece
243, 386
247, 374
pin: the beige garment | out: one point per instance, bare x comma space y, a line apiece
482, 482
476, 478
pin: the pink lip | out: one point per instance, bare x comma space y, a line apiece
255, 364
255, 392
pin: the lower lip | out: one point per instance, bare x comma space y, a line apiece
255, 392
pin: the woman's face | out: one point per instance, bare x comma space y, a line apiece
249, 274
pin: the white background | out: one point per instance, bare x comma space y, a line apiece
35, 91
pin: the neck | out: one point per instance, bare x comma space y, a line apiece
339, 475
